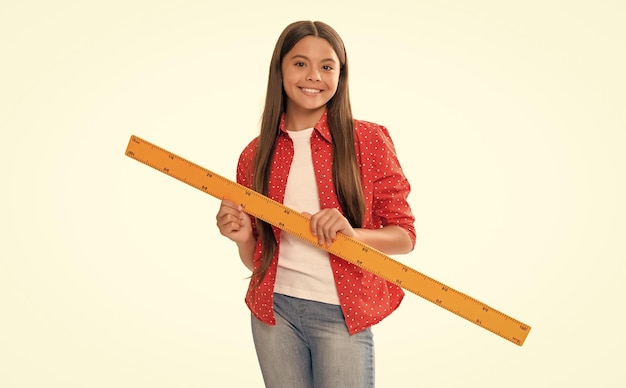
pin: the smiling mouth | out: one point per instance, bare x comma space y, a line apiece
312, 91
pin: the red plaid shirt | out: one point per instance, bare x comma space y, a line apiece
365, 298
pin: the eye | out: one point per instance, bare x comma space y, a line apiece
328, 67
300, 64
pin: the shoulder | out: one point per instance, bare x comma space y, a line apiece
250, 149
247, 155
368, 133
363, 126
244, 165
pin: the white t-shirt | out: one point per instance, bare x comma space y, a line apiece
303, 269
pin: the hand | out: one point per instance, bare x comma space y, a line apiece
326, 223
233, 222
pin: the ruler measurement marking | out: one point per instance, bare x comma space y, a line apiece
353, 251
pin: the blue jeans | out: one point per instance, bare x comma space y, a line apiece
309, 347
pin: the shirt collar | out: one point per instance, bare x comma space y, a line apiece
321, 127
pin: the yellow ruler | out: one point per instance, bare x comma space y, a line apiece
345, 247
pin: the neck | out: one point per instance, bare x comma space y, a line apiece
298, 119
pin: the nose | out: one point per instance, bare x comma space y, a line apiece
313, 75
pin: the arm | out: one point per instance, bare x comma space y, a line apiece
237, 226
390, 239
232, 221
246, 252
389, 224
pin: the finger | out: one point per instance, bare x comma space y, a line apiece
230, 230
229, 203
312, 222
229, 207
228, 219
318, 220
225, 215
316, 223
334, 226
324, 232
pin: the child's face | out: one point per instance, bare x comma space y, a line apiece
310, 74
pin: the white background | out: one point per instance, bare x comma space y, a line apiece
509, 121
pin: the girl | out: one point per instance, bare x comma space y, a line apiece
312, 312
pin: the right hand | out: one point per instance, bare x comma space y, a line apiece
233, 222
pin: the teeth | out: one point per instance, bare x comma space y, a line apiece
310, 90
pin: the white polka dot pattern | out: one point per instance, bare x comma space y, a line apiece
365, 298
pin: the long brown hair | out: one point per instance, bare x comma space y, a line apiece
346, 174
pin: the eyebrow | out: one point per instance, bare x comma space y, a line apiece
307, 58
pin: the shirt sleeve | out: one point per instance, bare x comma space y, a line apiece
244, 172
391, 187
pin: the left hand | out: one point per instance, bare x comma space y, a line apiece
326, 223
